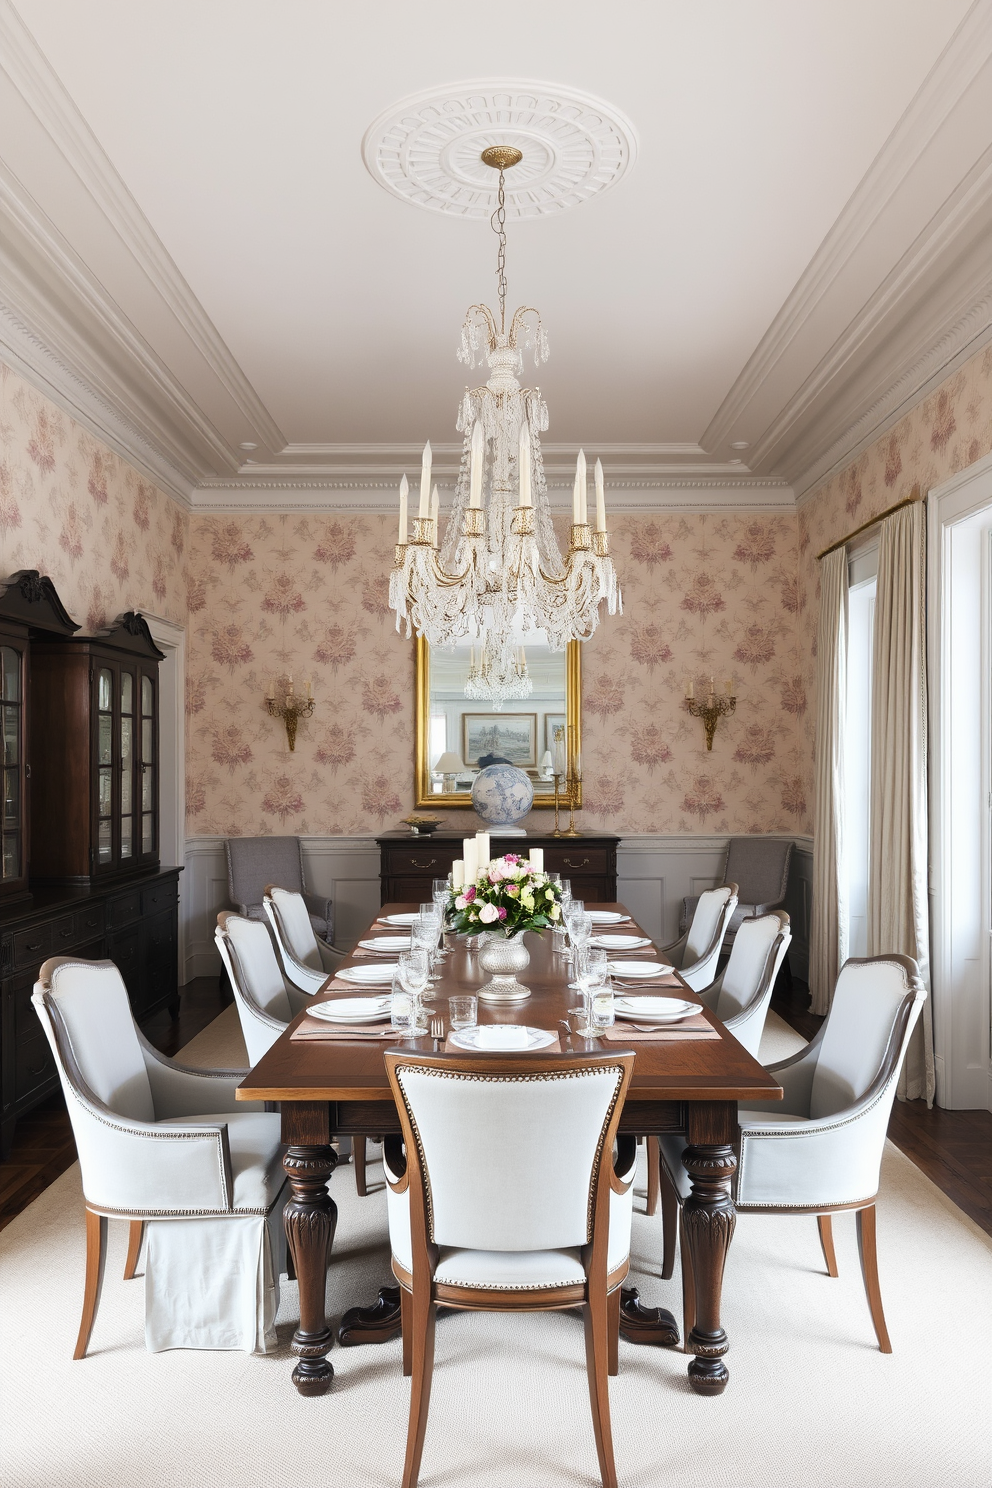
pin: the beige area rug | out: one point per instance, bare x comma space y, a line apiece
811, 1401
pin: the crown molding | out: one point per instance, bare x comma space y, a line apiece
41, 89
25, 352
934, 118
682, 493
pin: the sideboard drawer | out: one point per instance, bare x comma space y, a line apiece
421, 860
161, 896
31, 947
89, 922
579, 858
124, 910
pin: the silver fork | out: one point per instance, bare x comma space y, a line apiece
437, 1032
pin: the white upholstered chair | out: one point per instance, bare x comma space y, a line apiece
697, 950
267, 1001
740, 997
741, 994
166, 1147
306, 961
532, 1222
820, 1149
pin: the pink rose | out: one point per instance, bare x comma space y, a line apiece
512, 890
502, 913
469, 894
488, 913
461, 902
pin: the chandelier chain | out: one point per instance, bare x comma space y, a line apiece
498, 221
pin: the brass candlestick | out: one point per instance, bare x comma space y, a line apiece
557, 831
574, 781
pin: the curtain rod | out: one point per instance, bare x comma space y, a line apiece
909, 500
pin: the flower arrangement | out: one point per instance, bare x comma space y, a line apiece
508, 896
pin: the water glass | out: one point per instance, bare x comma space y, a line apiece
601, 1003
463, 1012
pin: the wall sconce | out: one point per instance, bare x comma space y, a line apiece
289, 707
711, 708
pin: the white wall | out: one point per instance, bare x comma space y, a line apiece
654, 873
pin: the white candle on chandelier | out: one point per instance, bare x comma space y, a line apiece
600, 499
478, 454
580, 509
404, 493
523, 465
425, 482
435, 507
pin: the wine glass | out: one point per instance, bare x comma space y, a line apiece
441, 897
424, 934
593, 980
413, 968
406, 1011
580, 934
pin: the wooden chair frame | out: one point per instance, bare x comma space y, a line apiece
420, 1295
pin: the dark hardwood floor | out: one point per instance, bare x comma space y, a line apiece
43, 1146
953, 1148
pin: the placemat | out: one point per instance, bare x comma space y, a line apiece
695, 1027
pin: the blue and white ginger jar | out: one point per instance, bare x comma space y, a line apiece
502, 795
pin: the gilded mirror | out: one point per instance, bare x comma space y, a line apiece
471, 729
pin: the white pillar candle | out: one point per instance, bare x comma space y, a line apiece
425, 482
478, 455
404, 493
600, 499
435, 507
523, 465
537, 859
482, 838
580, 509
458, 873
470, 857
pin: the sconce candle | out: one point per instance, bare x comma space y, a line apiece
290, 709
711, 710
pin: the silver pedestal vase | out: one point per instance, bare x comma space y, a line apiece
503, 956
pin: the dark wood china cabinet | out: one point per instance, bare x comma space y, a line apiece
79, 827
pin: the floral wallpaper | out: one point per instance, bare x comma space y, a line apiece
306, 595
69, 506
942, 434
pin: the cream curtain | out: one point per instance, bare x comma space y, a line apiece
829, 929
897, 879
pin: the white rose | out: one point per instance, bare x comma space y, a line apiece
488, 913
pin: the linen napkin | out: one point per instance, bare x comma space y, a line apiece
696, 1027
635, 982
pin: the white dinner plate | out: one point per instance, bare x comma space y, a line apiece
639, 968
607, 917
654, 1009
400, 919
496, 1037
352, 1010
386, 943
369, 976
620, 942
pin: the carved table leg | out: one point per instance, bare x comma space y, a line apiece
310, 1217
708, 1217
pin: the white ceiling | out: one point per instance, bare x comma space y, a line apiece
293, 302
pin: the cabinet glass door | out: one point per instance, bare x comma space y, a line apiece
12, 823
148, 773
127, 765
105, 690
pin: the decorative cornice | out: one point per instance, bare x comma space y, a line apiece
941, 92
29, 71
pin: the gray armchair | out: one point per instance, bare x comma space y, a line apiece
760, 868
255, 862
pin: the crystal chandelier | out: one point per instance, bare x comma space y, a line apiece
499, 574
501, 675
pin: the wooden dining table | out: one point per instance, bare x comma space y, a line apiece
329, 1089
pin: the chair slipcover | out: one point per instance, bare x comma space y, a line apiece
166, 1144
254, 862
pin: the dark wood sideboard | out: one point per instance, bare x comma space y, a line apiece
408, 865
133, 923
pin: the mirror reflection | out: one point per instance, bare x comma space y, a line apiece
483, 707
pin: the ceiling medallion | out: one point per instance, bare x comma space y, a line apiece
430, 149
498, 576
